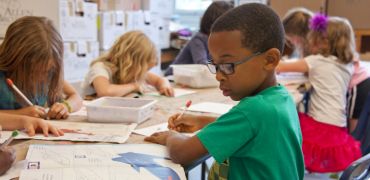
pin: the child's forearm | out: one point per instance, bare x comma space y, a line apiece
10, 121
75, 102
178, 147
12, 111
117, 90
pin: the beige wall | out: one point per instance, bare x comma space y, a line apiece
357, 11
281, 7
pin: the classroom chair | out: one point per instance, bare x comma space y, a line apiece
362, 131
358, 170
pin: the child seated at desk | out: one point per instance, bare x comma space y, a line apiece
125, 68
196, 50
31, 55
260, 137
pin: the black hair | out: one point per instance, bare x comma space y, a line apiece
259, 25
215, 10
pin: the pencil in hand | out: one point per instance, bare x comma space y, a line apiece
188, 103
11, 84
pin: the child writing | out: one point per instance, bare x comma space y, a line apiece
327, 147
125, 68
196, 50
31, 55
296, 26
260, 137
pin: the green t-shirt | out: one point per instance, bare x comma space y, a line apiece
260, 137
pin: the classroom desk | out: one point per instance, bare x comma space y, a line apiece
164, 108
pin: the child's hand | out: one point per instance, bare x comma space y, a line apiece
33, 111
167, 91
58, 111
7, 157
35, 124
159, 137
186, 123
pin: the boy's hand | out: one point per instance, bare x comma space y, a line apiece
7, 157
35, 124
33, 111
159, 137
58, 111
186, 123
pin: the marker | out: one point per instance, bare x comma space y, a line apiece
9, 140
11, 84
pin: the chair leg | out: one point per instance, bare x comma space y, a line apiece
203, 172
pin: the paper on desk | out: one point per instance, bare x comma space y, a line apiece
156, 128
210, 107
103, 161
91, 132
178, 92
15, 170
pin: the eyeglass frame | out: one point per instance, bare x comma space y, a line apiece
233, 64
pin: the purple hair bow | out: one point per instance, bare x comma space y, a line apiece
319, 22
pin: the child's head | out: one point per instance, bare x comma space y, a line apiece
32, 56
215, 10
130, 58
332, 36
296, 26
245, 45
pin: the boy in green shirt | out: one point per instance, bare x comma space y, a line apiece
260, 137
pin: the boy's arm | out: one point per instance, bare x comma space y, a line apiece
182, 149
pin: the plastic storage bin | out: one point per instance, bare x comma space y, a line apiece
194, 75
120, 110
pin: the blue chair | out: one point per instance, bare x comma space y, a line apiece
358, 170
362, 131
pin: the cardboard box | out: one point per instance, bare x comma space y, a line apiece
120, 110
74, 19
77, 58
111, 26
281, 7
356, 11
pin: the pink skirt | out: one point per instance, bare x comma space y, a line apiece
327, 148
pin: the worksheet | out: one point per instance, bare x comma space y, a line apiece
178, 92
210, 107
147, 131
103, 161
83, 131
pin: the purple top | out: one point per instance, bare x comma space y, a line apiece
195, 52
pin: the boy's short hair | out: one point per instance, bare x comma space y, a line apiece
259, 25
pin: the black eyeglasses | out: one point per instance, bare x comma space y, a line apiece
228, 68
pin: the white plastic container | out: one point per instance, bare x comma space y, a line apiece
120, 110
194, 75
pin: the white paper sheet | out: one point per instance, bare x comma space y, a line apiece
178, 92
15, 170
103, 161
210, 107
91, 132
156, 128
291, 78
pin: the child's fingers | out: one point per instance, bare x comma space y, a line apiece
151, 139
30, 129
45, 128
54, 130
61, 113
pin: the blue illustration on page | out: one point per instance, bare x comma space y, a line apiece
138, 160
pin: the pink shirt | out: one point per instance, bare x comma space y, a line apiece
359, 75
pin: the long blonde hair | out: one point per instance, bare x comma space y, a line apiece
338, 40
130, 57
32, 56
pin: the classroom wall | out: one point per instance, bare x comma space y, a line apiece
281, 7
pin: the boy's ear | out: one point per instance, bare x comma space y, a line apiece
272, 58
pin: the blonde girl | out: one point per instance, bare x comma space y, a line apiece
31, 55
327, 147
125, 68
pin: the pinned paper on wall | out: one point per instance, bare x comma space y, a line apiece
102, 161
210, 107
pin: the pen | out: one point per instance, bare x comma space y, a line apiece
9, 140
188, 103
